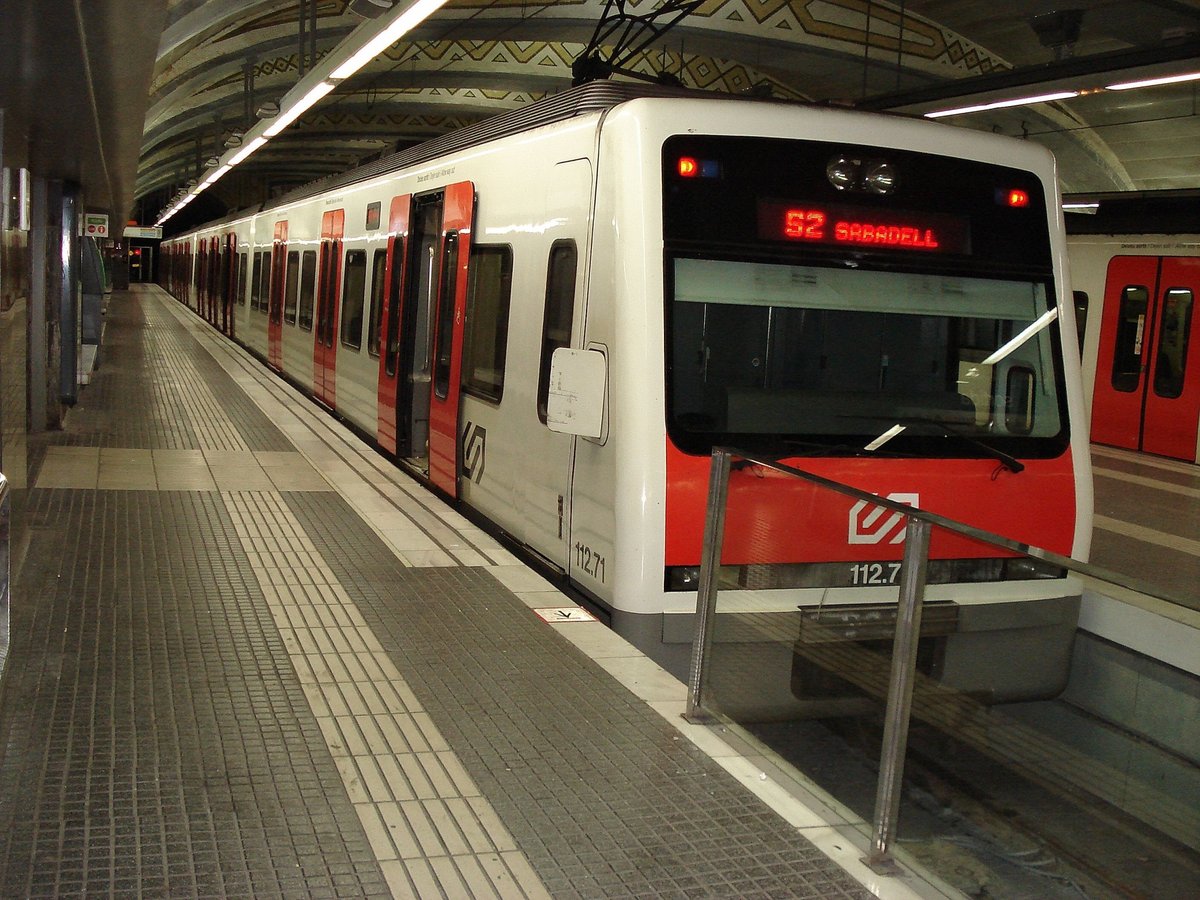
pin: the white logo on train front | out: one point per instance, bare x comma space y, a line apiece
866, 526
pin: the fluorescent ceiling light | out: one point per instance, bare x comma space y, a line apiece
387, 36
1081, 207
297, 109
247, 150
1002, 104
1153, 82
217, 174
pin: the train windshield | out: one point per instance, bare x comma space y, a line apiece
832, 298
783, 357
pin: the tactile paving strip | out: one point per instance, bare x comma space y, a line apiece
602, 795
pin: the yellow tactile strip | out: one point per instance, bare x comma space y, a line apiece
429, 825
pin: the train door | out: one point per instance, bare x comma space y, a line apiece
389, 356
1147, 396
333, 225
275, 296
444, 403
229, 282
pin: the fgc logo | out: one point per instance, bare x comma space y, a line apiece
871, 524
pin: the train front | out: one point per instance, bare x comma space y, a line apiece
878, 304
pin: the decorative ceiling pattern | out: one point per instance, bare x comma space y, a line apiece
219, 61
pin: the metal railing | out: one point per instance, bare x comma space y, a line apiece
911, 580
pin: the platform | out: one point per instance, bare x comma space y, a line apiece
252, 658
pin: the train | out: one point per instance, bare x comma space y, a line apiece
552, 318
1135, 295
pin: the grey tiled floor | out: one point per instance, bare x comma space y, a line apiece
248, 662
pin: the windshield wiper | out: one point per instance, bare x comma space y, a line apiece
1011, 463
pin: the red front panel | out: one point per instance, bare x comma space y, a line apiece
444, 401
397, 259
773, 518
1172, 414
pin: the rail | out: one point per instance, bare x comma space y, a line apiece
911, 580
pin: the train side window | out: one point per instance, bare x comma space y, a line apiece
378, 276
354, 290
559, 310
485, 341
445, 328
241, 279
256, 282
1173, 331
293, 287
308, 279
1131, 332
392, 337
1081, 312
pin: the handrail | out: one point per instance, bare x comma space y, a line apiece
912, 576
1048, 556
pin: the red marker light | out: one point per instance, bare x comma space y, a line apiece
1018, 198
688, 167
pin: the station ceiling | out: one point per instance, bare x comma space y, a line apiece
207, 67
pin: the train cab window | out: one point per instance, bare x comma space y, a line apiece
308, 280
445, 328
241, 280
559, 310
378, 277
1131, 332
291, 295
485, 339
354, 290
1174, 327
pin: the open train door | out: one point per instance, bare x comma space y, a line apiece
389, 326
458, 212
1147, 395
229, 275
275, 296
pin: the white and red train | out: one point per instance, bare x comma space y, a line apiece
712, 271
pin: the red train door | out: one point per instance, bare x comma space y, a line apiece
389, 326
275, 296
450, 315
333, 225
1147, 396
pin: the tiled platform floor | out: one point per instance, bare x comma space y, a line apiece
250, 658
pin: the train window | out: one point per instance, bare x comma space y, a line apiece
1020, 394
1081, 312
354, 289
241, 280
445, 328
308, 279
1131, 332
292, 293
559, 310
378, 277
485, 339
1174, 327
256, 282
393, 305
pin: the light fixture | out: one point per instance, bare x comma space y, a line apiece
268, 110
212, 162
241, 155
1154, 82
1082, 207
297, 109
1002, 104
387, 36
234, 140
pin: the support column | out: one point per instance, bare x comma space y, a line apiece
39, 326
70, 308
